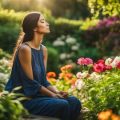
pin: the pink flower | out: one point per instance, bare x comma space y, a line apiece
84, 61
89, 61
98, 67
80, 61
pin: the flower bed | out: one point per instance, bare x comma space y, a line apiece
96, 84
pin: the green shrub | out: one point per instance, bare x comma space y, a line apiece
53, 59
10, 106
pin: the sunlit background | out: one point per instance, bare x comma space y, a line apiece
79, 28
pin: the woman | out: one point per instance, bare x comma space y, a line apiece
29, 71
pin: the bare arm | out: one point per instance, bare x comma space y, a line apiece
25, 60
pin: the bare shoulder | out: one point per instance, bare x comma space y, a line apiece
25, 49
24, 53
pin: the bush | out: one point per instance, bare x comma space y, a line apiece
96, 84
53, 59
10, 106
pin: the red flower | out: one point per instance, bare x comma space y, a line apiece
101, 61
118, 65
99, 67
108, 67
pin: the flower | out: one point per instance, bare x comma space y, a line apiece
100, 61
118, 65
63, 56
70, 40
115, 62
108, 115
82, 75
95, 76
115, 117
58, 43
79, 84
99, 67
104, 115
108, 61
51, 75
66, 68
84, 61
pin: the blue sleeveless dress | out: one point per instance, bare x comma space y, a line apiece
30, 88
65, 109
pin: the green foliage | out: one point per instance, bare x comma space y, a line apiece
53, 59
101, 8
72, 9
103, 94
10, 106
4, 54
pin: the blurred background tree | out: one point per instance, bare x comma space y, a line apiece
72, 9
93, 25
104, 8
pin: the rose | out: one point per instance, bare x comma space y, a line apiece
100, 61
99, 67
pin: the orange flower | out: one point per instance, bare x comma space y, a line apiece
73, 80
61, 75
51, 75
115, 117
66, 68
105, 115
69, 75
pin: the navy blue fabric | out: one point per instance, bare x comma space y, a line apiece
65, 109
18, 77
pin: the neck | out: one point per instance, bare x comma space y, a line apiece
37, 40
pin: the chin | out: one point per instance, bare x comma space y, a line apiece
48, 31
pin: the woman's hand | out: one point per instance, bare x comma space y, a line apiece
63, 94
57, 95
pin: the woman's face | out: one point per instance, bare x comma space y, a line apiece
42, 26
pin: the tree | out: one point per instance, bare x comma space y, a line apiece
104, 8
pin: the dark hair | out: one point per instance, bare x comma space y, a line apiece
28, 24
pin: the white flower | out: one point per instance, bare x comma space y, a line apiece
95, 76
70, 40
3, 76
58, 43
115, 62
82, 75
79, 84
62, 37
63, 56
108, 61
75, 47
4, 61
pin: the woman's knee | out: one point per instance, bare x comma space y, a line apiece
75, 101
63, 104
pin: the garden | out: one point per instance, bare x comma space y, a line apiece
83, 54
